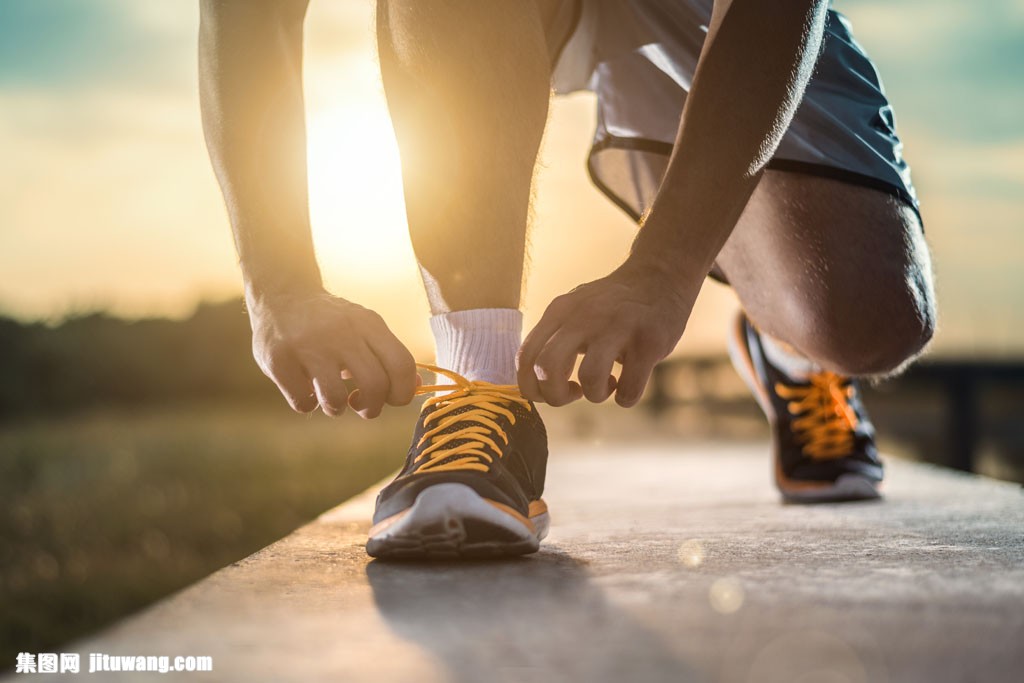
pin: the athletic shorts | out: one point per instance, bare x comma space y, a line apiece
639, 57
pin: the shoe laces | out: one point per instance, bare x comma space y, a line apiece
474, 444
825, 420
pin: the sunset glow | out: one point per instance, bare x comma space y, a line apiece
107, 200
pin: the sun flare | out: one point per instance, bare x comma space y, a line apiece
355, 193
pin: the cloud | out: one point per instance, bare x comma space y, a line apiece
950, 67
128, 216
77, 44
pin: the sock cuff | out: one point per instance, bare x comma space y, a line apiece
487, 319
479, 344
787, 359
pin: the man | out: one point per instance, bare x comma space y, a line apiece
807, 211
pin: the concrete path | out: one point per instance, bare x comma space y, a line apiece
664, 564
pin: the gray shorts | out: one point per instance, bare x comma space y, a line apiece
639, 56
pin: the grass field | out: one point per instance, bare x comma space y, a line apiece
106, 511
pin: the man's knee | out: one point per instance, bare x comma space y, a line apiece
873, 309
858, 335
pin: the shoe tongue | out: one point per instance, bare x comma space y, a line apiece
460, 424
456, 425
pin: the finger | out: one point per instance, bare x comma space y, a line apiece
371, 382
526, 376
398, 365
636, 370
553, 369
292, 381
596, 372
330, 390
535, 341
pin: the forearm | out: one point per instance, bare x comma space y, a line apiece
250, 65
749, 80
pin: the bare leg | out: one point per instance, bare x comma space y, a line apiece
467, 83
840, 272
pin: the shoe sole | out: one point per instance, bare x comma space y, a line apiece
452, 521
846, 488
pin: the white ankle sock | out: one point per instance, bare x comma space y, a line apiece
787, 359
479, 344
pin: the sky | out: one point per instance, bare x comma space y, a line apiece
107, 200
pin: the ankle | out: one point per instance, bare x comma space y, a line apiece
479, 344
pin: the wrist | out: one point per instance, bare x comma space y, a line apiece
261, 292
668, 266
663, 245
663, 276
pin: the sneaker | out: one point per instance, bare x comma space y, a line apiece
472, 481
824, 443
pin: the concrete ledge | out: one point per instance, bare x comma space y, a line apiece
665, 563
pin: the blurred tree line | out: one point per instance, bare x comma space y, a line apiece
98, 359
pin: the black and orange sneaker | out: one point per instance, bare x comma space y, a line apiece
473, 478
824, 443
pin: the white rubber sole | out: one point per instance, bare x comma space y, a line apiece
848, 487
452, 521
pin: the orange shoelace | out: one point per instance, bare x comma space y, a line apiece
479, 425
824, 421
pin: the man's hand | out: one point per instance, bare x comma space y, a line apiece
305, 340
309, 344
634, 316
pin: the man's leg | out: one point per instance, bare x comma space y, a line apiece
837, 271
836, 282
467, 83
